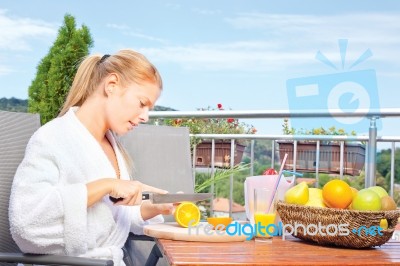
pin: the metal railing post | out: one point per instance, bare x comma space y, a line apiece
194, 165
317, 155
273, 154
370, 179
212, 176
341, 160
294, 155
252, 157
392, 170
232, 160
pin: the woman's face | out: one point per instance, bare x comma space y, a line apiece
129, 106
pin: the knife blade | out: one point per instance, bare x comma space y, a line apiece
174, 197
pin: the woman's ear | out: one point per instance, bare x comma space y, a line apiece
110, 84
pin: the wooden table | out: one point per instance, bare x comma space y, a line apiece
289, 252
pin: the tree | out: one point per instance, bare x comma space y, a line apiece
57, 69
384, 163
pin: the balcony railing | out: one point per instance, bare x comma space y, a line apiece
370, 140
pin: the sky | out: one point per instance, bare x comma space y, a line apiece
241, 54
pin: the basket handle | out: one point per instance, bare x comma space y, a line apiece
392, 218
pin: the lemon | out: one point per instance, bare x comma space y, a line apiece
315, 198
315, 193
298, 194
384, 224
315, 202
187, 213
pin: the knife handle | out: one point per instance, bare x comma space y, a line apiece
115, 200
145, 196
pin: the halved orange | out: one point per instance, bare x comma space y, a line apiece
221, 222
187, 213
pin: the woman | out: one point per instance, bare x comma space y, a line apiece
60, 200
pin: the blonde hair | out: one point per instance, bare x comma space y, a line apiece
129, 65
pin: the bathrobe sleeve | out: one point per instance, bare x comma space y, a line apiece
138, 222
47, 216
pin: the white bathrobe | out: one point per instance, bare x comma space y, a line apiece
48, 206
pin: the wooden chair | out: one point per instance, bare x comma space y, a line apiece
15, 131
161, 158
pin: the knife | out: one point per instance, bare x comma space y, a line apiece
174, 197
170, 198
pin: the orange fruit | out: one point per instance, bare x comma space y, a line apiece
187, 213
337, 194
221, 222
354, 191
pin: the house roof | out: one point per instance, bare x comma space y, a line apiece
222, 205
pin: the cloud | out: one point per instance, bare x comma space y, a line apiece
5, 70
241, 56
121, 27
173, 6
126, 30
377, 31
206, 12
280, 41
16, 32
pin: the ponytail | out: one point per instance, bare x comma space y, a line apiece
83, 85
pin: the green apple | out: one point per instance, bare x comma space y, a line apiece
298, 194
379, 190
366, 200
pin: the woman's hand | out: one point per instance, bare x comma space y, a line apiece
130, 192
149, 210
125, 192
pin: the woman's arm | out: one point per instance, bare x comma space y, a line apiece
96, 190
46, 216
149, 210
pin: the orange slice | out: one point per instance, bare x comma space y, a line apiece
187, 213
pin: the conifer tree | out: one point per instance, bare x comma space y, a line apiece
57, 69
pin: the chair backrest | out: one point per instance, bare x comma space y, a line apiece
161, 156
15, 132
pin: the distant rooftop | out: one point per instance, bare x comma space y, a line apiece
222, 205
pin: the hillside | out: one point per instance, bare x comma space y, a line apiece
13, 105
18, 105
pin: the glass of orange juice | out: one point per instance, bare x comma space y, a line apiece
264, 214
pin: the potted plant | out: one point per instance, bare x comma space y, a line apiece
205, 180
214, 126
329, 161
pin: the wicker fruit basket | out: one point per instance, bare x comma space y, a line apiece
362, 225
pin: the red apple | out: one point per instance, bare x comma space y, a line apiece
270, 171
